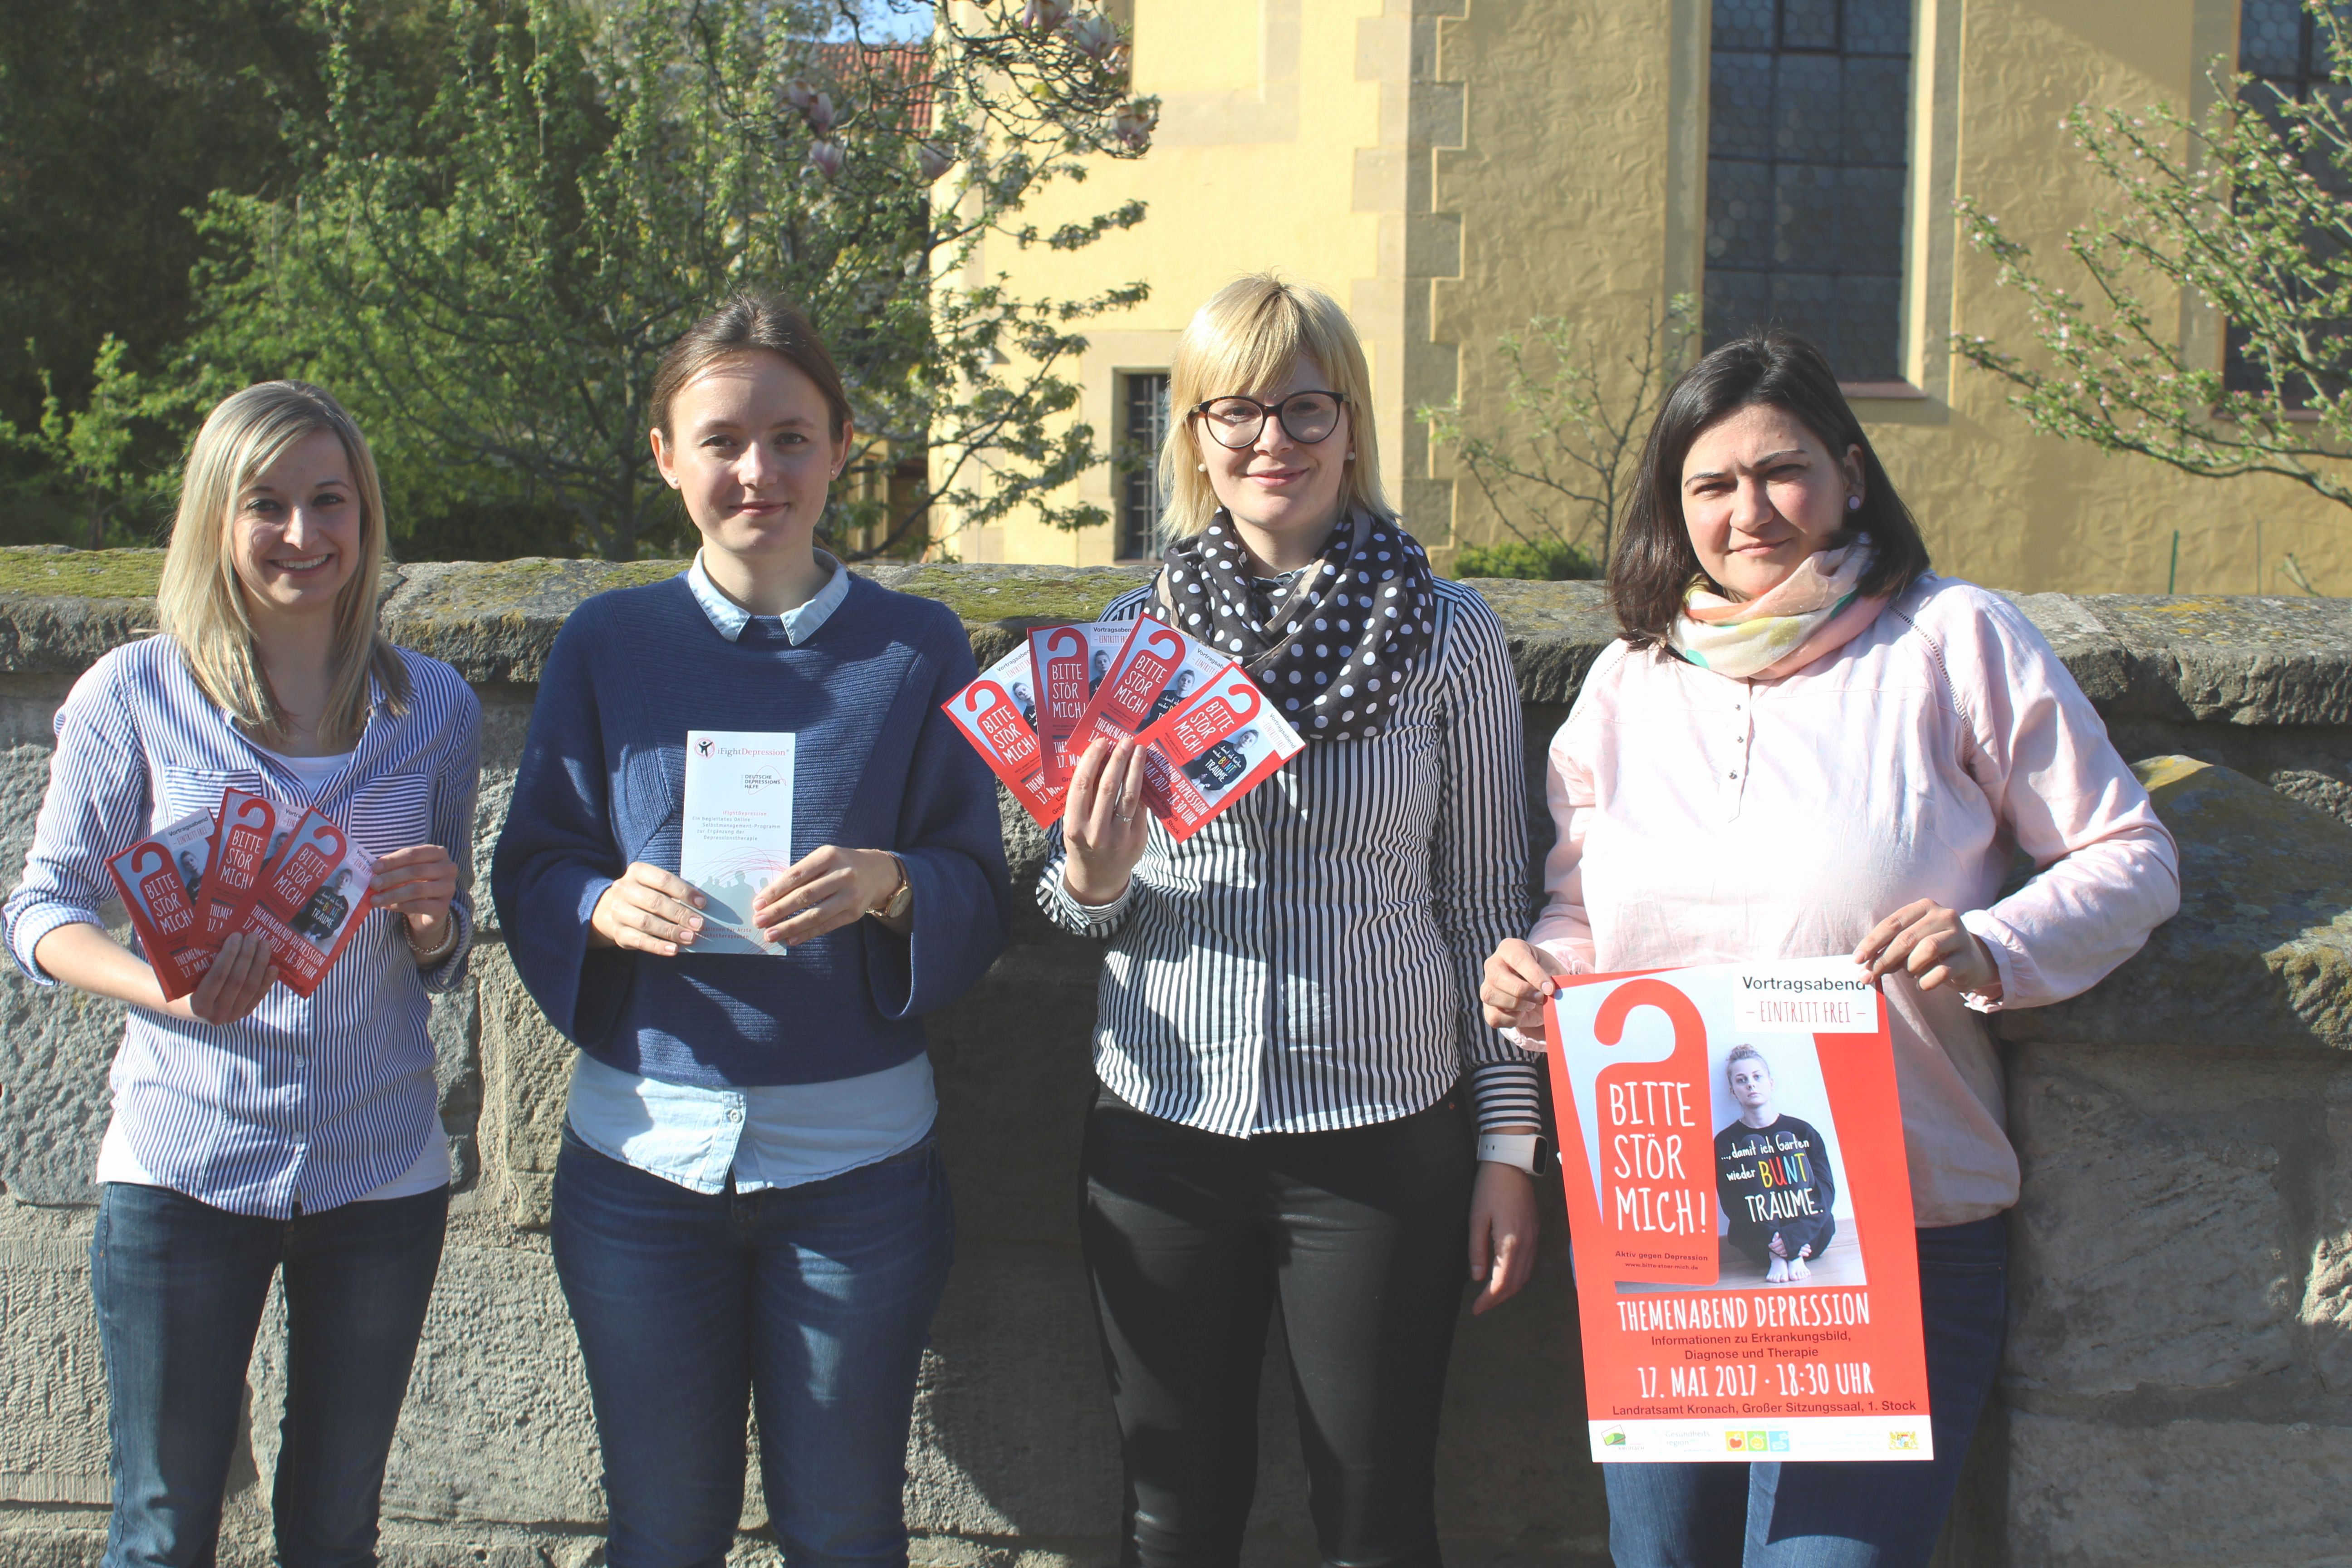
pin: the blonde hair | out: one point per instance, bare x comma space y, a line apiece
1243, 342
202, 603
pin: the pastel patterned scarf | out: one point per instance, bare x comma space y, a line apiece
1814, 611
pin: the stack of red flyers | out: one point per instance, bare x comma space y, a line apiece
299, 884
1211, 734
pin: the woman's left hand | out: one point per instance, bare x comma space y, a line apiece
826, 889
1503, 1227
1929, 941
417, 884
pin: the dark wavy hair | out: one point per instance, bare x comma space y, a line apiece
1655, 564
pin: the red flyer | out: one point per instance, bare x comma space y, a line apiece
997, 713
1209, 753
1740, 1213
1156, 668
241, 837
1068, 663
312, 896
160, 878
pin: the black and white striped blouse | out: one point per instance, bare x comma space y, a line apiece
1310, 960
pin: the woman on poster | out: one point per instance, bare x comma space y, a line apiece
1805, 742
749, 1211
255, 1131
1289, 1025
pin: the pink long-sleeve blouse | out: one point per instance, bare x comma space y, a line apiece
1704, 819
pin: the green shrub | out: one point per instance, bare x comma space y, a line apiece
1542, 561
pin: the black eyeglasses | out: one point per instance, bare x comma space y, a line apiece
1306, 418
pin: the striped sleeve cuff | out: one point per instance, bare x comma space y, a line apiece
450, 968
25, 931
1097, 920
1506, 1094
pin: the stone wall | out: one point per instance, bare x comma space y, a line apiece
2178, 1387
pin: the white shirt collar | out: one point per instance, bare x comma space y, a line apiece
801, 622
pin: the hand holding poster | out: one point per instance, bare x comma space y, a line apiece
1740, 1211
312, 896
160, 878
1116, 678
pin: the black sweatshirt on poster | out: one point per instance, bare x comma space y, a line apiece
1775, 1179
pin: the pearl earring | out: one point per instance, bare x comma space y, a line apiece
1200, 468
1853, 503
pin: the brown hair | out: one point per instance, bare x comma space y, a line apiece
746, 321
202, 603
1655, 566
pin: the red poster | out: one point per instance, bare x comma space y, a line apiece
240, 844
1154, 670
161, 879
1208, 753
1732, 1146
997, 713
1058, 655
313, 895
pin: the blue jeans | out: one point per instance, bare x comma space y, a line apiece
1875, 1515
180, 1287
812, 1303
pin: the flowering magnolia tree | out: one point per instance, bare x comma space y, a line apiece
490, 273
2248, 211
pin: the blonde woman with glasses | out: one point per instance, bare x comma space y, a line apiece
1288, 1038
255, 1131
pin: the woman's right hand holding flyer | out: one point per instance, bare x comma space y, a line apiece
1517, 983
1104, 824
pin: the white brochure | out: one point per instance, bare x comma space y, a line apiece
738, 830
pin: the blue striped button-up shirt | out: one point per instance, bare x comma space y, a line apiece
1310, 960
303, 1103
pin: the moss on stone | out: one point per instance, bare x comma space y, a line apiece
1032, 594
81, 574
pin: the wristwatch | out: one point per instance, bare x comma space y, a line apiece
901, 898
1528, 1152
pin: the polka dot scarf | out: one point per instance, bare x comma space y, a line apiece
1336, 643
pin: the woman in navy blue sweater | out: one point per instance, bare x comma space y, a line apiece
749, 1206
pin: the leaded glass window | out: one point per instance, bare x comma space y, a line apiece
1808, 143
2284, 48
1142, 427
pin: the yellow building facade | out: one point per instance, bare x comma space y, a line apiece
1450, 169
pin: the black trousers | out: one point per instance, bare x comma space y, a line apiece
1192, 1238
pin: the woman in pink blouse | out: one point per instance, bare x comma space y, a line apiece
1806, 743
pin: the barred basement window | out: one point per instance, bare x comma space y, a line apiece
1808, 148
1142, 427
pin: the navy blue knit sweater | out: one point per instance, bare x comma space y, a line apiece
878, 765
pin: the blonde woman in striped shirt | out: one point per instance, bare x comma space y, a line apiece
253, 1130
1288, 1038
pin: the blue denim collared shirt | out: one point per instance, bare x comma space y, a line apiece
777, 1135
